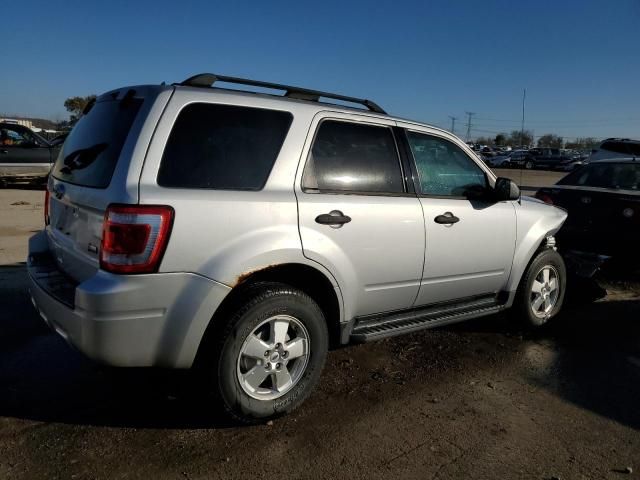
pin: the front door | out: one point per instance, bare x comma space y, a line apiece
470, 239
356, 217
21, 153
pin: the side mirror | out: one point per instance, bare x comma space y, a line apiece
506, 189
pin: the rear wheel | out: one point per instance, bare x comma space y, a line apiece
270, 353
542, 288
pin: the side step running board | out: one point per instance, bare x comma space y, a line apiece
391, 324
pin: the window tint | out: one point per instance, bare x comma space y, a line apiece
223, 147
443, 167
91, 151
625, 176
349, 157
630, 148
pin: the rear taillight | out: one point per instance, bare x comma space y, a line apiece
46, 207
134, 237
545, 197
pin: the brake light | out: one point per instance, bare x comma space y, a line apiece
134, 237
545, 197
46, 207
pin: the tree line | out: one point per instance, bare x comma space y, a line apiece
525, 139
517, 138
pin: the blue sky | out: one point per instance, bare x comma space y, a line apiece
578, 60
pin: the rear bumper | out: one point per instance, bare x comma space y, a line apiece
125, 320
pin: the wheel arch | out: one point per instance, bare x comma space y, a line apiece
537, 224
310, 280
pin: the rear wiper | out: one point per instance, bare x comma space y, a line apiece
82, 158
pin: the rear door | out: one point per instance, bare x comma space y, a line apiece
99, 164
356, 216
470, 239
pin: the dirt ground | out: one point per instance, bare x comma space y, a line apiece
482, 400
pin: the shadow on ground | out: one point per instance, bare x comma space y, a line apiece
590, 356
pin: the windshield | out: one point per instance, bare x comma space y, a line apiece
90, 152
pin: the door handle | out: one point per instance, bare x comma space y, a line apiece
335, 217
447, 218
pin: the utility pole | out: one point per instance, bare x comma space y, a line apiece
524, 96
453, 124
470, 114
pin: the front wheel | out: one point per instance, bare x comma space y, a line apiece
542, 288
270, 353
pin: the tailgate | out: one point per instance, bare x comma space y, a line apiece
98, 165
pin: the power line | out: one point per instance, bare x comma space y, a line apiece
453, 123
565, 122
470, 114
524, 96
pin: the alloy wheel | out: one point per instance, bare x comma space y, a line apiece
273, 357
545, 291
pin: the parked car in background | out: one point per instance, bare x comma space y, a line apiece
25, 156
488, 152
499, 160
248, 232
572, 161
603, 203
550, 159
616, 148
517, 159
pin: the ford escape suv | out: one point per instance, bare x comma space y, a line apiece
248, 232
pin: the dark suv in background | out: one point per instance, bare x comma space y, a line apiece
551, 159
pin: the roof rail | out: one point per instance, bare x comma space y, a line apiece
208, 79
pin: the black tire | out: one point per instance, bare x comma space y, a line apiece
259, 303
522, 306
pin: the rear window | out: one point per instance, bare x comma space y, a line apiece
90, 153
625, 176
629, 148
223, 147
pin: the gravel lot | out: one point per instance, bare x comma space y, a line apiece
480, 400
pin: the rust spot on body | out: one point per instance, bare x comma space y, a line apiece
244, 276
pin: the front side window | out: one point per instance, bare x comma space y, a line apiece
10, 137
353, 158
443, 168
223, 147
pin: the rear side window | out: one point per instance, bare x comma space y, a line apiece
90, 153
629, 148
223, 147
625, 176
353, 158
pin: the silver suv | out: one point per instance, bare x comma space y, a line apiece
247, 233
